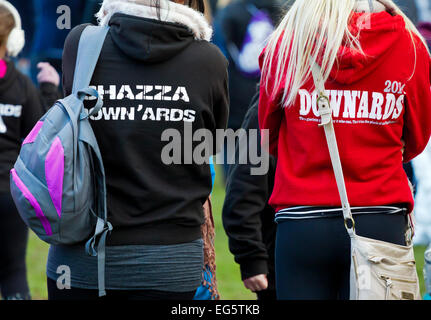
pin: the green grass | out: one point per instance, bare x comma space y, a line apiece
37, 252
420, 260
228, 275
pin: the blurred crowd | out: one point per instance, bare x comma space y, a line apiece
44, 40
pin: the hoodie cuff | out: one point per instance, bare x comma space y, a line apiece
251, 268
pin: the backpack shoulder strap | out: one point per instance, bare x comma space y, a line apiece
89, 48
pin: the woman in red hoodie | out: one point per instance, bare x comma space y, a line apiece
377, 73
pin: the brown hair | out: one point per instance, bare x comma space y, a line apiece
7, 23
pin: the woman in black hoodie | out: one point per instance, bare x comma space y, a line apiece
156, 71
21, 106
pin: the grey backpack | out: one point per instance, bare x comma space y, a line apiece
58, 180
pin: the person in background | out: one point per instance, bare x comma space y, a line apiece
44, 38
248, 219
49, 81
240, 31
49, 36
20, 108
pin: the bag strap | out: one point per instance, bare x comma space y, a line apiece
90, 46
89, 49
325, 112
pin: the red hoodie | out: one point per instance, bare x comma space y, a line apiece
376, 104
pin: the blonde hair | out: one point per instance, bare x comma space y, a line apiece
313, 31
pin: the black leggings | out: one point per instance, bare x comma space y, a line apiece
313, 255
13, 245
88, 294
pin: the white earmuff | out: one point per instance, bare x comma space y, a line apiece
16, 39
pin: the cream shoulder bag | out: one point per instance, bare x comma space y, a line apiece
379, 270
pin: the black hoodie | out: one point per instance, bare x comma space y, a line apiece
150, 202
248, 219
20, 108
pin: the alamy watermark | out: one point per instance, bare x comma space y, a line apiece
196, 147
64, 278
64, 21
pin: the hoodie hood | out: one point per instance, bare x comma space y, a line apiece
168, 12
378, 35
143, 33
148, 40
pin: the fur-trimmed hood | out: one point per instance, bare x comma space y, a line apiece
169, 12
140, 33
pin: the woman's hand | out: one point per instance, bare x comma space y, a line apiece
257, 283
48, 74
